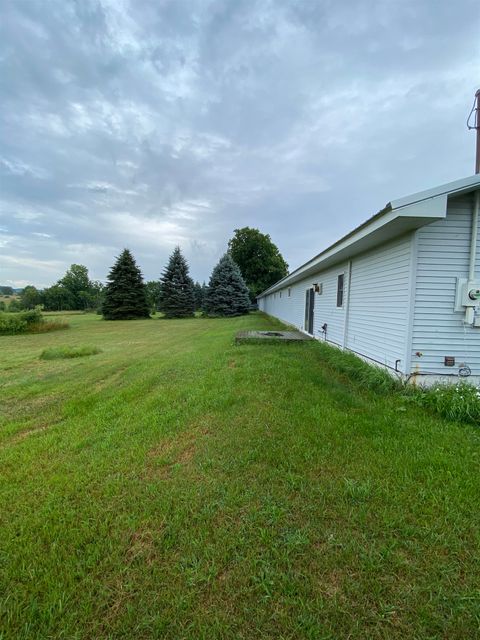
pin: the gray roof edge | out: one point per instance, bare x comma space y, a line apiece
443, 189
461, 185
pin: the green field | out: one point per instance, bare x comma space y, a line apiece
176, 485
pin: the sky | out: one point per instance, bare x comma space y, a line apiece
150, 124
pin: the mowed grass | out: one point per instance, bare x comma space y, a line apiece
179, 486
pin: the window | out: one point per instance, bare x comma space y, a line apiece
340, 290
280, 294
289, 292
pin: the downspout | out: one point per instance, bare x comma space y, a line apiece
473, 238
470, 311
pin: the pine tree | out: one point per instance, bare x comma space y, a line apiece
199, 292
227, 293
125, 295
178, 299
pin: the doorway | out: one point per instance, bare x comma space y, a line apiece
309, 310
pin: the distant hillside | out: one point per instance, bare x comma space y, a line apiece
6, 290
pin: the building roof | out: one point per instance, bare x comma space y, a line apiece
396, 218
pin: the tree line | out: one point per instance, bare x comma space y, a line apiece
251, 264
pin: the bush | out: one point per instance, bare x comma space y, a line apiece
32, 316
65, 352
12, 323
30, 321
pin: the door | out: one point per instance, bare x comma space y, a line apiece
309, 309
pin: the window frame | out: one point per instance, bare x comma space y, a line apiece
340, 290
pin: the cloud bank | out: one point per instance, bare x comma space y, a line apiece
151, 124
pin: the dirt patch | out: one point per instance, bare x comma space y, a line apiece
110, 380
179, 449
20, 436
331, 584
164, 457
17, 408
142, 545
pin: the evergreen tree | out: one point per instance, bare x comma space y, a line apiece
227, 293
199, 293
177, 297
125, 296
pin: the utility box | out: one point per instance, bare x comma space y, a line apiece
467, 294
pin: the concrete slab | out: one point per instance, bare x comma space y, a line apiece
274, 336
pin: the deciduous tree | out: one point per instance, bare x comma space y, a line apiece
260, 261
30, 297
154, 291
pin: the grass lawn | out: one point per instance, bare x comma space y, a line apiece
176, 486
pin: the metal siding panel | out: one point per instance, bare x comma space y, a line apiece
292, 309
326, 310
438, 330
379, 302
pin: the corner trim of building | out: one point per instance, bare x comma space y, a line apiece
411, 301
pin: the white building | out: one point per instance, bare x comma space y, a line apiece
401, 289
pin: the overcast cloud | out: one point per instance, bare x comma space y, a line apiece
148, 124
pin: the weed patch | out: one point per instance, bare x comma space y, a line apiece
48, 325
460, 402
59, 353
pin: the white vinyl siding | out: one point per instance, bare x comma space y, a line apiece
438, 330
379, 303
292, 309
326, 310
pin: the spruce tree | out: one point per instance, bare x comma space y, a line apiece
227, 293
125, 294
178, 298
199, 293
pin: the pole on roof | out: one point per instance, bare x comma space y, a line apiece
477, 127
475, 112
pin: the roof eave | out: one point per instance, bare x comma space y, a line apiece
385, 225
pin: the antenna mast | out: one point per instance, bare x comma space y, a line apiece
475, 112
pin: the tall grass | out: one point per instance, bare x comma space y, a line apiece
459, 402
367, 375
65, 352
